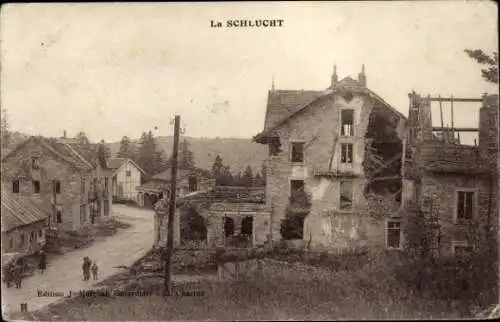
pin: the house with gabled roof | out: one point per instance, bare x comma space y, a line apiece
23, 224
63, 176
328, 149
126, 177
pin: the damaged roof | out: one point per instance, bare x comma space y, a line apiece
18, 211
282, 105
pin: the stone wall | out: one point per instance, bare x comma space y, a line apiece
439, 197
214, 221
319, 128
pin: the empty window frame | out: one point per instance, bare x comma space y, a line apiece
297, 154
465, 205
346, 195
347, 122
35, 163
346, 153
128, 173
57, 187
296, 186
36, 186
394, 234
462, 248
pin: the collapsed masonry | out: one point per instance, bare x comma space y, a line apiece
451, 185
338, 146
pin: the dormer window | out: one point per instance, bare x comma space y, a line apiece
347, 122
35, 163
297, 152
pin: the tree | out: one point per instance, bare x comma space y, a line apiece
149, 157
225, 178
106, 151
186, 156
127, 149
490, 73
247, 177
258, 182
263, 170
82, 138
4, 129
217, 167
103, 152
237, 182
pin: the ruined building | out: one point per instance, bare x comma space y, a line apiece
333, 147
451, 185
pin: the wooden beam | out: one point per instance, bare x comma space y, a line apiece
386, 164
441, 111
452, 120
457, 129
454, 99
385, 178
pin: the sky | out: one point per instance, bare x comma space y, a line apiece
121, 69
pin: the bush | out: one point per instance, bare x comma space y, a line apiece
470, 279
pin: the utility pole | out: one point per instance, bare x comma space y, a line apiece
171, 212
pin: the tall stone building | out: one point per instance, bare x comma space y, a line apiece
334, 146
66, 179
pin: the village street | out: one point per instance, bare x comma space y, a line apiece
64, 272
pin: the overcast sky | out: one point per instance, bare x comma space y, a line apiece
121, 69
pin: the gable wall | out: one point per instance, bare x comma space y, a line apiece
318, 126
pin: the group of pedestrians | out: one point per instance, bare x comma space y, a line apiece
14, 271
87, 267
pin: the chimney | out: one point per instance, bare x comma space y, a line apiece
362, 76
335, 78
64, 134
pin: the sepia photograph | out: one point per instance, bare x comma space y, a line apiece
227, 161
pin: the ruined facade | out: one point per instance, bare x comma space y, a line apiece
188, 181
453, 186
63, 178
336, 145
216, 217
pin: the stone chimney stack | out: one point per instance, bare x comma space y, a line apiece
488, 130
64, 134
335, 78
362, 76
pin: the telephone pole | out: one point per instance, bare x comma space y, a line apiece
171, 212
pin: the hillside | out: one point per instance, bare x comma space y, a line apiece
237, 153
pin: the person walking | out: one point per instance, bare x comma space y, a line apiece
94, 270
86, 268
42, 261
17, 274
